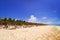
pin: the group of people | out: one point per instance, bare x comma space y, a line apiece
6, 26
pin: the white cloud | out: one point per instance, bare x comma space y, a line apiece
44, 18
17, 19
36, 20
49, 22
46, 22
32, 19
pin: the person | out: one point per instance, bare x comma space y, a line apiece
6, 25
15, 26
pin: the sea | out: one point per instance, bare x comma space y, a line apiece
56, 24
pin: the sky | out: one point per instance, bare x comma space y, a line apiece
40, 11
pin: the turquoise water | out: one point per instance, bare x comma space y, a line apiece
56, 24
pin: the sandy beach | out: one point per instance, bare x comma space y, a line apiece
33, 33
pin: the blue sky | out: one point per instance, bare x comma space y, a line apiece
42, 11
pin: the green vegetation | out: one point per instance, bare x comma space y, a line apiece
11, 21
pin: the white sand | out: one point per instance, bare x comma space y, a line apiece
34, 33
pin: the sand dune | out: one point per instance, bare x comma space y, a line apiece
33, 33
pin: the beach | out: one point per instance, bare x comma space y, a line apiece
33, 33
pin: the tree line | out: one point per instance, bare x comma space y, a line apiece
11, 21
